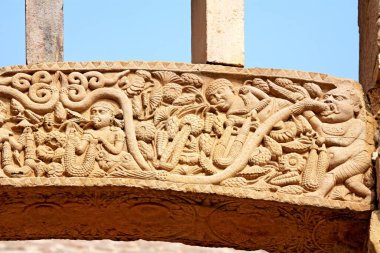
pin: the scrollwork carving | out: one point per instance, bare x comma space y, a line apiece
266, 133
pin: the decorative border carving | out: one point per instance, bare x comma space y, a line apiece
236, 192
170, 66
128, 213
90, 71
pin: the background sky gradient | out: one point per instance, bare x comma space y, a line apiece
314, 35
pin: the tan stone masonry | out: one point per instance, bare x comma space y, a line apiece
201, 154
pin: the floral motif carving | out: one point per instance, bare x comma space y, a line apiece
263, 133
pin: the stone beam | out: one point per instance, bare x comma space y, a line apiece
89, 210
201, 154
44, 30
217, 32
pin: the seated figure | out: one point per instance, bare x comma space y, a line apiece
102, 128
102, 143
110, 138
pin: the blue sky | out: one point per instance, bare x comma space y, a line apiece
313, 35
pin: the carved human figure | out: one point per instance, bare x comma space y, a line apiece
243, 110
101, 130
221, 95
26, 143
344, 136
111, 138
50, 146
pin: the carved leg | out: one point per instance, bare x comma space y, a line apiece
355, 185
326, 186
356, 165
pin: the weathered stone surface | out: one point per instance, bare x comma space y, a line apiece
130, 213
369, 28
374, 233
44, 30
107, 246
129, 150
217, 30
369, 50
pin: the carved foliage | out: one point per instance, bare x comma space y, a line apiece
266, 134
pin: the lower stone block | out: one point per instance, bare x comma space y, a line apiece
214, 216
203, 154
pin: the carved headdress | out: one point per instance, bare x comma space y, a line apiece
108, 105
215, 85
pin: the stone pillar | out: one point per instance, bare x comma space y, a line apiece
217, 32
369, 50
44, 30
369, 28
374, 233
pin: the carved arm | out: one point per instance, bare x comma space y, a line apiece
314, 121
257, 92
114, 149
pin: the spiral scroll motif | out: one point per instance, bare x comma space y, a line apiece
206, 129
21, 82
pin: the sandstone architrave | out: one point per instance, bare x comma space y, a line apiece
128, 150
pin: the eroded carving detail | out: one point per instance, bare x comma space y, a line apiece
128, 213
260, 133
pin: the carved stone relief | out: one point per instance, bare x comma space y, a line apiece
257, 130
129, 213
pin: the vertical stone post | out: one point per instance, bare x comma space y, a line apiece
44, 30
369, 74
368, 19
374, 233
369, 77
217, 32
